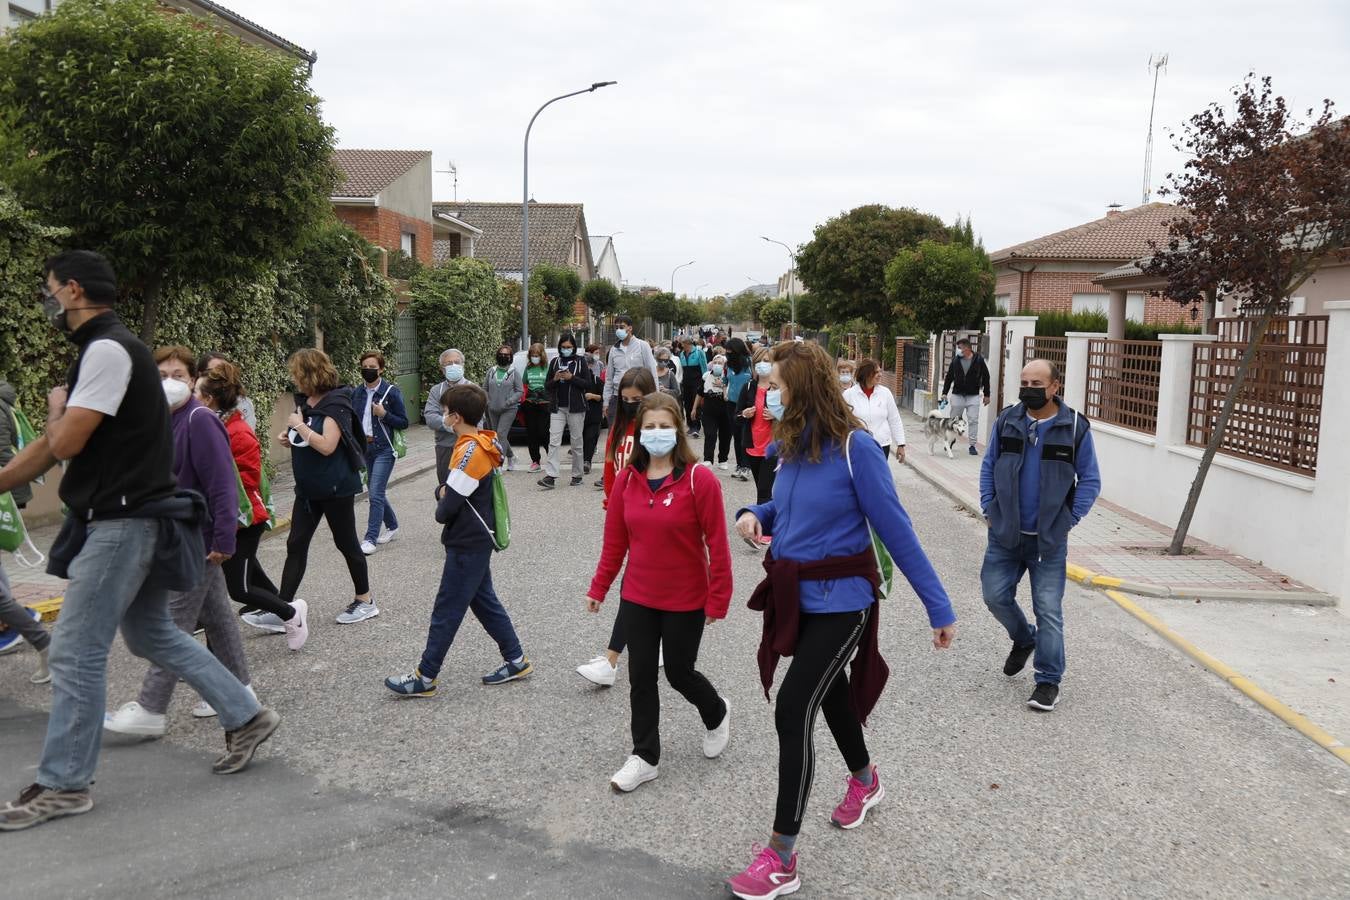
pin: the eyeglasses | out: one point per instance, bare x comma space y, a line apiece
48, 294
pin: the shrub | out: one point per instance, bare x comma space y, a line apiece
34, 356
458, 304
1058, 324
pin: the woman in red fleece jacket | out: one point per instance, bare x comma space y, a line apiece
665, 514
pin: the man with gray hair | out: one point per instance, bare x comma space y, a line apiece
452, 365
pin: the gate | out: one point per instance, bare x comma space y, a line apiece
914, 373
407, 373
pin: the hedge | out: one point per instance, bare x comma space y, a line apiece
461, 305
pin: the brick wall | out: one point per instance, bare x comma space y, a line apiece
1053, 292
385, 228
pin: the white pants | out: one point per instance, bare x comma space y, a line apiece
575, 423
969, 406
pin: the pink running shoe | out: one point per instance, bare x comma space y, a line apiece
766, 877
858, 799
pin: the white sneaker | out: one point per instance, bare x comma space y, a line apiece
635, 772
599, 671
661, 656
204, 710
715, 741
724, 465
266, 621
43, 675
132, 718
386, 535
706, 462
297, 629
511, 465
367, 548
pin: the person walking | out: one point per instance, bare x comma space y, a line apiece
465, 510
127, 541
874, 404
713, 409
21, 624
667, 373
595, 408
567, 384
243, 406
758, 424
693, 366
627, 353
665, 514
504, 387
966, 388
202, 462
740, 369
326, 457
379, 407
452, 364
1038, 480
820, 596
537, 404
245, 578
636, 385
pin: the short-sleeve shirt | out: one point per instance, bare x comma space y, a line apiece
105, 373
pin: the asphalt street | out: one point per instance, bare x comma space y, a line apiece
1152, 779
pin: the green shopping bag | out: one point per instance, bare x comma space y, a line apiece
24, 432
400, 443
885, 565
13, 536
501, 535
245, 518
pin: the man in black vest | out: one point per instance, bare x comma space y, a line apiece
127, 539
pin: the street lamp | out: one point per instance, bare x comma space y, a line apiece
525, 216
699, 288
676, 269
792, 266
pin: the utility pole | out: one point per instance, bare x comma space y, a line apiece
1157, 63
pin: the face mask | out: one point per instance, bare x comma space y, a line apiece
773, 402
370, 375
503, 359
715, 368
175, 392
630, 407
51, 308
845, 378
534, 360
762, 369
658, 441
1033, 397
454, 372
566, 352
621, 333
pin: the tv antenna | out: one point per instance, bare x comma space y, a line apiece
1157, 63
454, 174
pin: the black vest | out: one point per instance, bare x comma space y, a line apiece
128, 460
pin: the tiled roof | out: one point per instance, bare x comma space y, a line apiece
552, 228
1123, 236
234, 18
367, 172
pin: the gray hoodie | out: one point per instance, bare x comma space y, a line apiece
503, 393
9, 438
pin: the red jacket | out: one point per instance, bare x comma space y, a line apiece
675, 541
615, 465
248, 460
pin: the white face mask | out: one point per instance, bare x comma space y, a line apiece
845, 378
175, 392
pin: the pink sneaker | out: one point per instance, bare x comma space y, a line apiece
858, 799
297, 629
766, 877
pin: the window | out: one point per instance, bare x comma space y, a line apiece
409, 245
1004, 302
1101, 303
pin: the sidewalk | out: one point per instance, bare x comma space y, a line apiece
35, 588
1127, 549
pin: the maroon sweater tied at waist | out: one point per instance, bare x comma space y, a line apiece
779, 597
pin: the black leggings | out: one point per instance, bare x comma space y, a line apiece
689, 391
245, 579
816, 680
618, 637
716, 428
341, 515
765, 472
680, 633
536, 428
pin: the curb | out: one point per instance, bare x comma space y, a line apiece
1091, 579
1297, 721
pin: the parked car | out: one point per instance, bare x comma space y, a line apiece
517, 435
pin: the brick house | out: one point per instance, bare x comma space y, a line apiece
1058, 272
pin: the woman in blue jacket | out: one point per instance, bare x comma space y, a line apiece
820, 596
379, 407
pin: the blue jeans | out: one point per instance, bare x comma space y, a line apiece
1001, 572
466, 584
107, 589
379, 466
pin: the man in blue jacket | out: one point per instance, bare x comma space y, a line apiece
379, 406
1038, 480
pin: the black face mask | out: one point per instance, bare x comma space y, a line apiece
370, 375
503, 359
51, 308
631, 406
1033, 397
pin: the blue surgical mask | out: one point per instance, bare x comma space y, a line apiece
773, 402
621, 333
454, 372
658, 441
534, 360
762, 369
715, 368
566, 352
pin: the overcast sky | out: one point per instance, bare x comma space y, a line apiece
734, 119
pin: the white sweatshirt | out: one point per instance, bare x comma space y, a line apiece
879, 413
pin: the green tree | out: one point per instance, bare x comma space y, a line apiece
403, 266
939, 286
746, 306
663, 307
634, 304
34, 356
774, 315
812, 313
689, 312
716, 309
178, 151
601, 296
845, 261
458, 304
558, 287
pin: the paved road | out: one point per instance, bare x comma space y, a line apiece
1152, 779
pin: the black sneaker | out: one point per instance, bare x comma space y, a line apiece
547, 482
973, 451
576, 480
1017, 659
586, 468
1045, 697
599, 482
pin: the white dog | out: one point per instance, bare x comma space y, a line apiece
944, 429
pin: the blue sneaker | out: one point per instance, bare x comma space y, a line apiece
411, 685
10, 641
509, 672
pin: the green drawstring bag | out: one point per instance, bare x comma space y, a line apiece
501, 535
885, 565
13, 536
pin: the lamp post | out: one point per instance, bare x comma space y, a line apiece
792, 267
676, 269
525, 216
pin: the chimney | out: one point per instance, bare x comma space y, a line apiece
1112, 209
